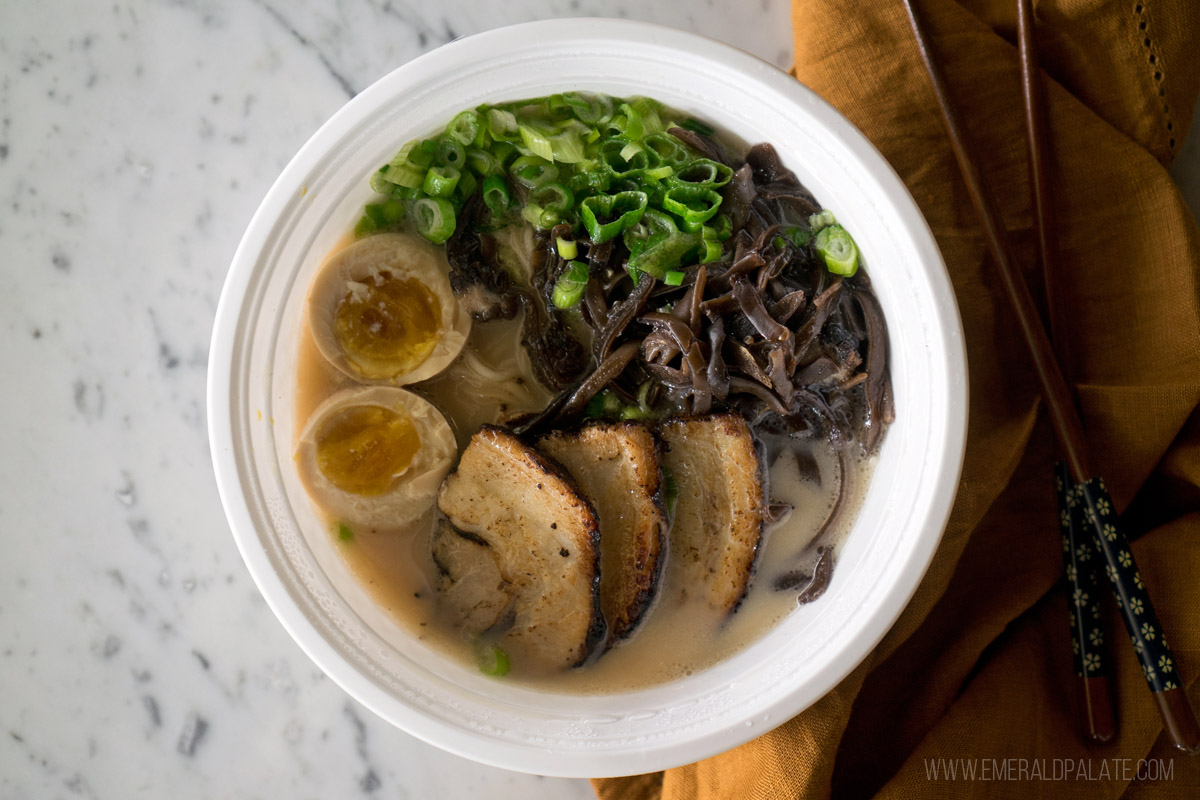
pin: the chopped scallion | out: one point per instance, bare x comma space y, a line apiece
465, 129
673, 277
450, 153
822, 219
495, 194
607, 216
568, 289
440, 181
838, 249
491, 659
531, 171
670, 491
567, 248
435, 218
798, 236
502, 125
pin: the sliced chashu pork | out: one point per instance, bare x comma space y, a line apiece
616, 466
718, 517
534, 546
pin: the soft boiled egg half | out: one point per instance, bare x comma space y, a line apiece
381, 310
374, 456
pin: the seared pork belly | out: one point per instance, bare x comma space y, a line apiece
471, 582
718, 517
616, 466
524, 513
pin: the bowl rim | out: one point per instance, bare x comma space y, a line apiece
479, 746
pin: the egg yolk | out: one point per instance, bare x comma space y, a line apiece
387, 325
363, 449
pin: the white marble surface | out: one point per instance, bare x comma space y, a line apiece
136, 657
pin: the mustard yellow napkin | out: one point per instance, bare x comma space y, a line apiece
979, 666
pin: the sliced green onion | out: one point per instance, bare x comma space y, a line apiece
693, 204
670, 491
495, 194
798, 236
483, 162
779, 243
435, 217
822, 219
658, 173
666, 149
504, 151
491, 659
607, 216
703, 172
568, 289
605, 404
379, 183
630, 150
532, 213
440, 181
344, 534
611, 156
632, 127
567, 248
593, 109
591, 181
712, 251
502, 125
450, 153
467, 184
656, 245
647, 109
536, 140
836, 246
385, 213
673, 277
531, 171
465, 128
553, 195
365, 226
568, 144
724, 227
409, 166
636, 412
405, 193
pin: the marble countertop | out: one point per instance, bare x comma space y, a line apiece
137, 658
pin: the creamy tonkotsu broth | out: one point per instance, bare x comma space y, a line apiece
507, 368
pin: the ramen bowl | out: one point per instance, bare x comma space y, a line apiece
386, 667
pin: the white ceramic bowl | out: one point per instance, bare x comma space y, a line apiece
317, 199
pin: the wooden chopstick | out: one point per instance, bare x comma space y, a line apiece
1136, 610
1097, 720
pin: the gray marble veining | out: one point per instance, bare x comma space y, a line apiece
137, 659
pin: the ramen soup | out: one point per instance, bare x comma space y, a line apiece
591, 394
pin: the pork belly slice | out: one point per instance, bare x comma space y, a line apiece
470, 579
616, 466
522, 512
718, 518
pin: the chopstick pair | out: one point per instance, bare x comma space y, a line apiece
1096, 718
1096, 512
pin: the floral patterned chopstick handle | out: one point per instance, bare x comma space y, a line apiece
1129, 589
1081, 564
1145, 631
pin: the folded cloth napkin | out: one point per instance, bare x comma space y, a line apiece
978, 667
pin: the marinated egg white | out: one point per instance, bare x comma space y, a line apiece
374, 456
381, 310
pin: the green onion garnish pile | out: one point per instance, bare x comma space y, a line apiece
605, 166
